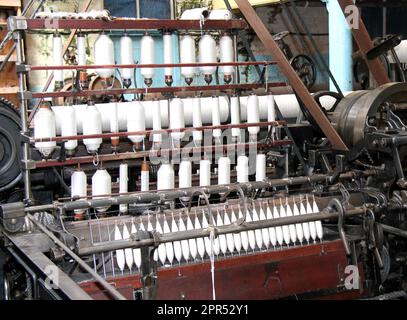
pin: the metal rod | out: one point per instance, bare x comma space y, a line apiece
85, 93
162, 131
395, 231
164, 195
136, 24
22, 85
167, 195
155, 65
82, 263
233, 228
144, 154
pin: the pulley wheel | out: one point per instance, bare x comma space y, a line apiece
304, 66
10, 150
317, 97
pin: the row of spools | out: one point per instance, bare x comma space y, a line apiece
104, 54
102, 181
45, 123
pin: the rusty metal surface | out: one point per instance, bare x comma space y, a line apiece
135, 24
154, 65
269, 275
364, 42
296, 83
144, 154
87, 93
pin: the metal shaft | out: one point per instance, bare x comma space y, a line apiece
22, 84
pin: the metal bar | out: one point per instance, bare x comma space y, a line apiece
156, 65
117, 295
64, 49
164, 195
233, 228
22, 85
87, 93
136, 24
145, 154
296, 83
151, 132
365, 44
395, 231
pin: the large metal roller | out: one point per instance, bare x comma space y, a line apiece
358, 112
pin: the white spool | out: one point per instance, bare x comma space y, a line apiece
167, 43
44, 127
136, 120
195, 14
224, 170
271, 110
114, 121
68, 128
147, 57
81, 49
92, 125
187, 55
235, 115
253, 114
165, 177
123, 183
217, 133
177, 119
207, 54
122, 108
185, 174
156, 121
101, 186
204, 173
78, 186
197, 119
220, 14
57, 57
242, 169
226, 54
260, 167
104, 55
145, 177
126, 57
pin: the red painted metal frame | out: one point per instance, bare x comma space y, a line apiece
162, 131
135, 24
155, 65
144, 154
87, 93
268, 275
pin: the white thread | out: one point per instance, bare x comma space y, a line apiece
212, 258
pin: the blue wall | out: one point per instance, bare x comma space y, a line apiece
158, 9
